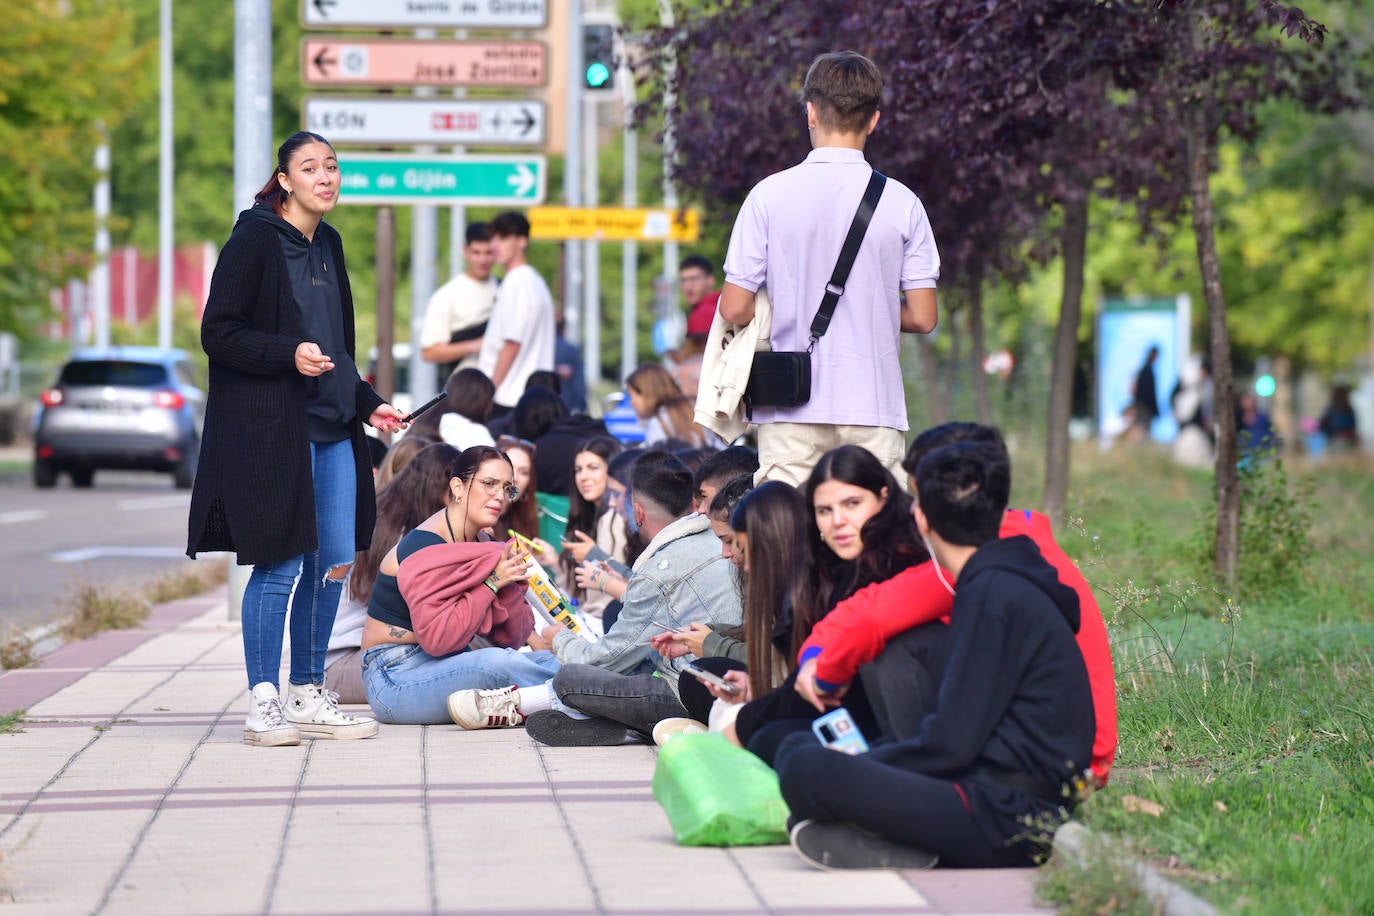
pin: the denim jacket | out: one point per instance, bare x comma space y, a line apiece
681, 577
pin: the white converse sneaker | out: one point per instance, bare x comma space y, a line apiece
668, 729
315, 711
266, 726
498, 708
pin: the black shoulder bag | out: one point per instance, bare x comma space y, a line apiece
783, 379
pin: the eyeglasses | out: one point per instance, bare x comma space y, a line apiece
506, 442
496, 487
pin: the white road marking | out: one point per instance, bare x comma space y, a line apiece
180, 501
100, 553
23, 515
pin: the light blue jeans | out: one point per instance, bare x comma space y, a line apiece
407, 686
316, 599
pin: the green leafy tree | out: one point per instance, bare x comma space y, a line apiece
68, 71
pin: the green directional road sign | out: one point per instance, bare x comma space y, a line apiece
385, 178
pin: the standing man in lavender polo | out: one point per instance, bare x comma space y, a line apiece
787, 237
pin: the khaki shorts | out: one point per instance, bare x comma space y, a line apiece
788, 451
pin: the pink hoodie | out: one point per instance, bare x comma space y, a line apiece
449, 601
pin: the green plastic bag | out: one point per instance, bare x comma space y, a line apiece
716, 794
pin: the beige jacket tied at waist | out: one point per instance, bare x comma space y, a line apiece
725, 368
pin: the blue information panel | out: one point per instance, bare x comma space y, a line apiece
1126, 330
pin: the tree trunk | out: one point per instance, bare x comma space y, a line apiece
952, 392
1074, 251
1224, 412
930, 372
979, 347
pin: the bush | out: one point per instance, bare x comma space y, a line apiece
1275, 530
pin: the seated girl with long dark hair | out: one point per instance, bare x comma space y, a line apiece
860, 532
761, 539
444, 583
594, 525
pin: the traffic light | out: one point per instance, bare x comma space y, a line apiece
1265, 385
598, 57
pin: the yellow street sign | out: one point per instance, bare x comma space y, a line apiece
614, 224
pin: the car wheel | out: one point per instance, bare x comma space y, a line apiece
83, 477
44, 476
185, 473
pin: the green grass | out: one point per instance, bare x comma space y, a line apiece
12, 722
1245, 716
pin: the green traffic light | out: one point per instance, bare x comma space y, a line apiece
1264, 386
598, 75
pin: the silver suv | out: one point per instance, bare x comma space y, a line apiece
137, 408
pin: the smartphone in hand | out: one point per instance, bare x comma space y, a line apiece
707, 677
432, 402
837, 731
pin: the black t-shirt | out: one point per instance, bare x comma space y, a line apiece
386, 603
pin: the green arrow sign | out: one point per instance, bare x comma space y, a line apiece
383, 178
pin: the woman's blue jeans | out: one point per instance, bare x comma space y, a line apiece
316, 598
407, 686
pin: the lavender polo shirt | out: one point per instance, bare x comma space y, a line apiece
788, 235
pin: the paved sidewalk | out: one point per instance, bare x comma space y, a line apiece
130, 791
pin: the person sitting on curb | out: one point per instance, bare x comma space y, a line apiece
418, 490
593, 523
996, 767
446, 582
718, 647
619, 684
718, 470
900, 612
859, 532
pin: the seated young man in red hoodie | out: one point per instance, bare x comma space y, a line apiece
859, 629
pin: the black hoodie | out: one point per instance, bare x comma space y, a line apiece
1014, 708
314, 282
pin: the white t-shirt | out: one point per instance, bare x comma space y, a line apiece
524, 314
460, 303
460, 432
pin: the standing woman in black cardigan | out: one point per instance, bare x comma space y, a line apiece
284, 478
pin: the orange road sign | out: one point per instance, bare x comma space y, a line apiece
396, 62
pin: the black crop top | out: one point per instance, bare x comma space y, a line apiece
386, 603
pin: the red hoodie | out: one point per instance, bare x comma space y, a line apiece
858, 628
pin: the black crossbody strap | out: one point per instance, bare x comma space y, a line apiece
835, 288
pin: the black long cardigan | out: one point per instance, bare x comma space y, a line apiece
253, 491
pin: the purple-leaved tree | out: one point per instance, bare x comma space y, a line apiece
1006, 118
